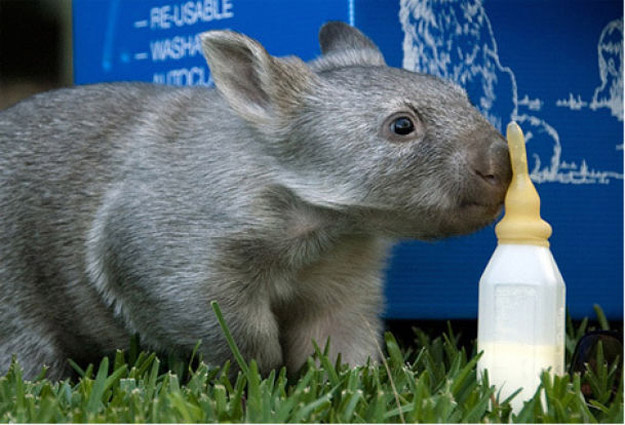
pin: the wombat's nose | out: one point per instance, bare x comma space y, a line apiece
494, 166
490, 178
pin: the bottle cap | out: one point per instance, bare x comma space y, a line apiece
521, 223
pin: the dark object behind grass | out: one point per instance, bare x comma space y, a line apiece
435, 381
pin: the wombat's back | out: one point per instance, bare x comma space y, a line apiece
61, 151
55, 171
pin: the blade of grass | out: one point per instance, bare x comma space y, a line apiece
97, 390
80, 371
233, 346
461, 377
253, 404
328, 367
603, 321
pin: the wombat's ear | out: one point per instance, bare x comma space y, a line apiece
344, 45
258, 86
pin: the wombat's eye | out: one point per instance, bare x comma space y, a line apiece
402, 126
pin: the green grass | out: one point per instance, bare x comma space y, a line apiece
434, 381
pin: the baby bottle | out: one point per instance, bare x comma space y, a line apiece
521, 292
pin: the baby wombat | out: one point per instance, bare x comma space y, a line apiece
127, 208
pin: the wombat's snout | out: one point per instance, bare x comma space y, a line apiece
491, 165
495, 168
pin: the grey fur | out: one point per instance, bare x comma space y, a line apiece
127, 208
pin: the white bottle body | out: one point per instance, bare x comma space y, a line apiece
521, 319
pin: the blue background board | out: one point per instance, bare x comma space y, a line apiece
126, 39
555, 67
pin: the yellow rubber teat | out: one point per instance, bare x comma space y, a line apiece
521, 223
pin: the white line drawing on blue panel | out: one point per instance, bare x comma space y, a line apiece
454, 39
609, 94
610, 51
574, 103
